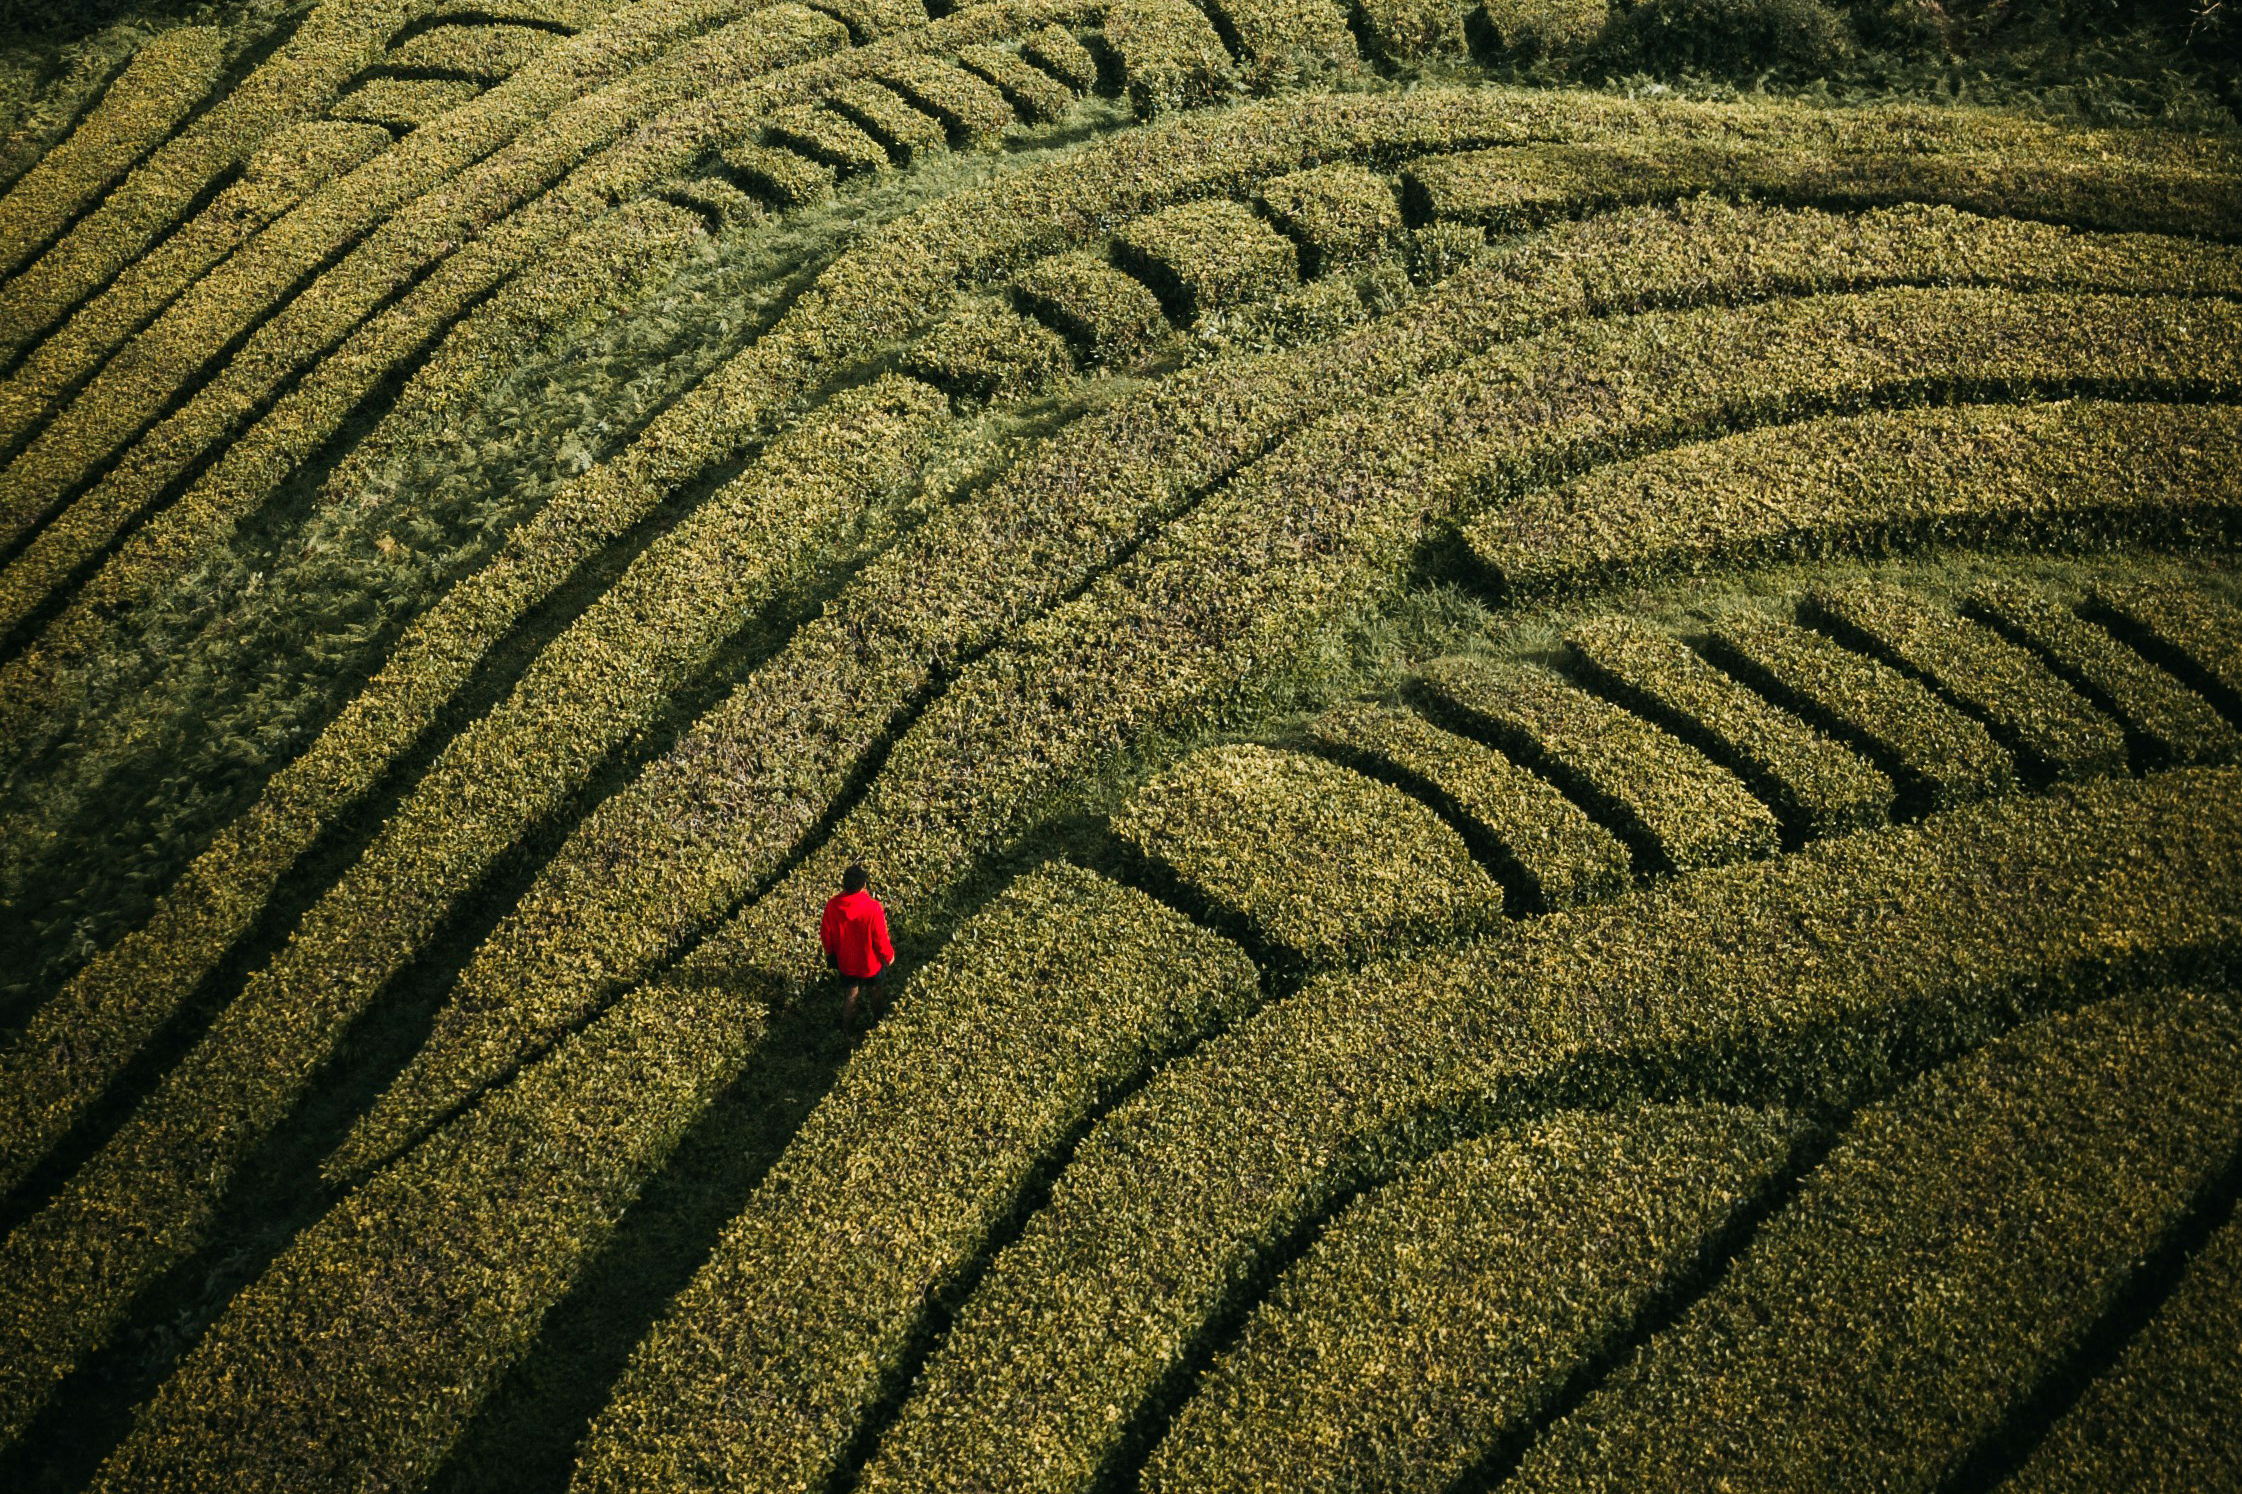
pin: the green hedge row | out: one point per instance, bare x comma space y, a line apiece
1204, 257
1035, 95
1168, 55
1964, 1235
1111, 317
1239, 597
287, 166
1441, 1313
599, 682
1408, 32
1336, 215
2165, 722
1062, 989
2167, 187
972, 110
2162, 1416
481, 53
1525, 29
1801, 980
1321, 863
1677, 810
1936, 756
986, 350
902, 131
2076, 473
762, 1370
829, 137
783, 178
2190, 632
162, 84
74, 1044
1055, 50
488, 156
333, 43
1816, 786
1279, 43
405, 104
1536, 837
2050, 727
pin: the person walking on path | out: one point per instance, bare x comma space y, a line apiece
854, 933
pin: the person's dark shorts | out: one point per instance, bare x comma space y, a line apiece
863, 980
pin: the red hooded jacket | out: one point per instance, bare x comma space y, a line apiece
854, 933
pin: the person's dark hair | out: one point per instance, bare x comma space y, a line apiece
855, 879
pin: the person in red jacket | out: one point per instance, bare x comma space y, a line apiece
854, 933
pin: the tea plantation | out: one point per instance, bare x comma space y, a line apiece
1547, 693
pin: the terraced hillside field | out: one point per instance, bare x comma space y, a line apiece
1559, 768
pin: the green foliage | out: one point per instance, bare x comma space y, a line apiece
2026, 1181
1936, 756
1337, 215
1111, 317
1735, 38
2196, 636
1439, 1314
969, 108
1059, 993
1816, 786
1038, 97
1809, 978
1532, 30
485, 54
1206, 256
1286, 43
987, 351
1407, 33
901, 130
1532, 834
2075, 474
2047, 724
2164, 722
1168, 54
1319, 862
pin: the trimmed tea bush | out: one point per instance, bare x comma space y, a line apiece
1816, 786
484, 54
1408, 32
902, 131
1169, 55
2075, 474
1676, 809
2049, 726
1109, 316
1962, 1237
827, 136
1337, 215
1543, 845
1439, 1314
2195, 635
784, 178
1936, 756
1322, 863
405, 104
2165, 721
972, 110
988, 351
1207, 256
1034, 94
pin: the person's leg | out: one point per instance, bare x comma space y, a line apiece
849, 988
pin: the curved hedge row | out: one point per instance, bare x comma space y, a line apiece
2025, 1181
1677, 810
482, 53
1207, 256
2190, 632
2164, 722
2074, 473
2029, 709
665, 617
1319, 862
1813, 784
2162, 1416
1938, 757
762, 1371
1439, 1314
285, 168
1060, 990
404, 104
330, 45
1549, 852
1168, 55
1805, 979
162, 84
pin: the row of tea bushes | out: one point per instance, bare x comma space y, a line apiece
2050, 727
1937, 757
1438, 1316
1677, 810
330, 45
2161, 1416
2195, 635
103, 449
158, 89
1063, 988
2165, 723
1042, 1006
1543, 847
1962, 1238
600, 682
2074, 474
288, 166
1815, 786
1801, 980
1168, 55
1206, 256
1322, 864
